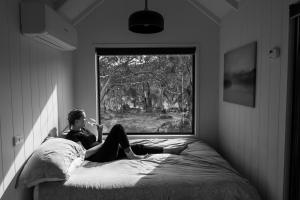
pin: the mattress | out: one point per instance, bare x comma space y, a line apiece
198, 173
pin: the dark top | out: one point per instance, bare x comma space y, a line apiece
84, 136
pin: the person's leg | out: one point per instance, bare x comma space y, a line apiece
141, 149
109, 149
175, 150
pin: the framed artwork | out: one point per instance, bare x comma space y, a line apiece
240, 75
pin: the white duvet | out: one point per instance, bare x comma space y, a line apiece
198, 173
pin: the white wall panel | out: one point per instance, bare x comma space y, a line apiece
285, 102
27, 96
3, 85
1, 168
34, 69
16, 81
31, 74
54, 75
49, 92
42, 86
6, 101
253, 139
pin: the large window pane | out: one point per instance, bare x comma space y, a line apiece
147, 94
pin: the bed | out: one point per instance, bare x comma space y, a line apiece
198, 173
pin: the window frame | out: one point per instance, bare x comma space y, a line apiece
150, 50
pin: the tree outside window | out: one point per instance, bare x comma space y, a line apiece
147, 94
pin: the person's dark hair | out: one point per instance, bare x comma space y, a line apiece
73, 115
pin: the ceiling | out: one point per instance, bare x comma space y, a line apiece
76, 10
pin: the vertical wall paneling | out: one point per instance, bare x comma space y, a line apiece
35, 94
40, 81
61, 99
27, 94
60, 96
63, 90
42, 87
255, 120
269, 169
1, 167
259, 133
52, 110
55, 96
245, 123
33, 80
48, 102
6, 111
15, 79
55, 90
62, 86
264, 97
3, 84
284, 111
276, 36
49, 93
69, 87
53, 93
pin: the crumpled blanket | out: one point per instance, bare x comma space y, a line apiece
198, 173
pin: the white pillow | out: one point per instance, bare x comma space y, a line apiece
54, 160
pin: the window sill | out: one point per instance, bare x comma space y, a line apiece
157, 136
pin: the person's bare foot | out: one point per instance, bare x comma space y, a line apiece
137, 157
132, 156
175, 150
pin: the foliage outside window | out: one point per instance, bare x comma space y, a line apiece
148, 91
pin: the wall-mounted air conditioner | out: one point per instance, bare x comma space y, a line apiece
43, 24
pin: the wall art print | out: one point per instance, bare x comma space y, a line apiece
240, 75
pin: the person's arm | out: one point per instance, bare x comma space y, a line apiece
92, 151
99, 129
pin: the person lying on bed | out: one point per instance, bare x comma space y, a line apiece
116, 145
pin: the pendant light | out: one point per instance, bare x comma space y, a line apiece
146, 21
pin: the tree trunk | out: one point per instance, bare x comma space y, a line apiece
149, 101
147, 98
161, 99
104, 89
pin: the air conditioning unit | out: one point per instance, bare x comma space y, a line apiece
42, 23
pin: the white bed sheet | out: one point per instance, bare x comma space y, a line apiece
198, 173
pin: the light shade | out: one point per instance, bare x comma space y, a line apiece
146, 22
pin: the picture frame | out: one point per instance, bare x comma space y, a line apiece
239, 84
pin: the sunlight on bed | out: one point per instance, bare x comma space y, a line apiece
116, 174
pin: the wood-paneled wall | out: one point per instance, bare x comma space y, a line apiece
36, 94
254, 139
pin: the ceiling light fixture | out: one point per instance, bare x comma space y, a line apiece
146, 21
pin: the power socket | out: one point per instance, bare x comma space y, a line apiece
274, 53
18, 140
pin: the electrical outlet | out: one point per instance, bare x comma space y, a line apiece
274, 53
18, 140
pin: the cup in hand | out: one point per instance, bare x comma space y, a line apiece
93, 122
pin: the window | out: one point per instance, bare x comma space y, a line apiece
147, 90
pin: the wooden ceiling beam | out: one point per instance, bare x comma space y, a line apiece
58, 3
205, 11
87, 12
233, 3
